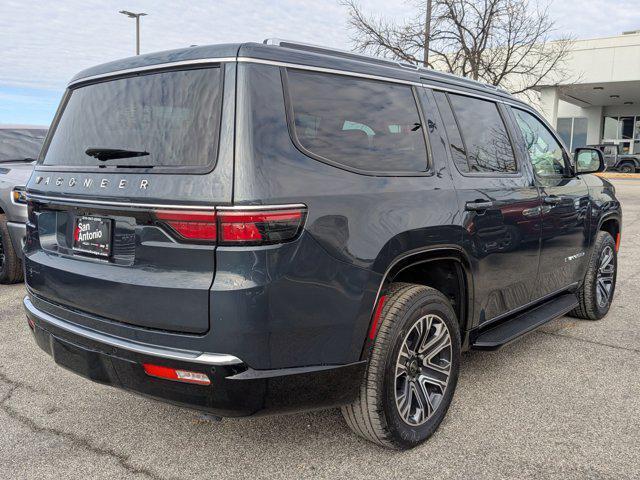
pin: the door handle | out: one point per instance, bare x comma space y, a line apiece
478, 206
552, 200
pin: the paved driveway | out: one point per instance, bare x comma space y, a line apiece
562, 402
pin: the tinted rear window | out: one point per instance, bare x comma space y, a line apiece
487, 142
362, 124
174, 116
20, 143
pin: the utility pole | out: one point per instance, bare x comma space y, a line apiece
137, 17
427, 34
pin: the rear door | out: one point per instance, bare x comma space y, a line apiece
565, 207
122, 198
499, 202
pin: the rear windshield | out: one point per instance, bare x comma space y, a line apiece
20, 143
169, 119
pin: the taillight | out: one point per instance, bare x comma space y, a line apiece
238, 227
189, 224
228, 226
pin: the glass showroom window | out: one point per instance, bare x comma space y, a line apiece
625, 131
573, 131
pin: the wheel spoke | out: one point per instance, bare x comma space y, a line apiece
404, 400
425, 323
434, 377
437, 345
424, 390
417, 401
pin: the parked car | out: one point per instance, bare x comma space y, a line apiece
19, 145
265, 228
615, 160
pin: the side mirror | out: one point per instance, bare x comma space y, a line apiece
589, 160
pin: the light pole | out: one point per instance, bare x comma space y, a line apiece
427, 34
137, 17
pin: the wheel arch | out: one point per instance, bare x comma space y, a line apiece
410, 266
610, 223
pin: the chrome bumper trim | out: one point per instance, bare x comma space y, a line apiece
145, 349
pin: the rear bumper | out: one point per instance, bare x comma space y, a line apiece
17, 232
235, 390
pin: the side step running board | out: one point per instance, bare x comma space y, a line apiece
511, 329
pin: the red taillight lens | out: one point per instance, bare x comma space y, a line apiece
237, 227
234, 226
177, 375
189, 224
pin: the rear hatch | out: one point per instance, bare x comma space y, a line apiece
126, 152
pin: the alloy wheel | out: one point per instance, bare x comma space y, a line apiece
422, 371
605, 276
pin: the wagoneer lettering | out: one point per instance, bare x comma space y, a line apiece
324, 230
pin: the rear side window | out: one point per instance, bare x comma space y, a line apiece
365, 125
487, 144
171, 118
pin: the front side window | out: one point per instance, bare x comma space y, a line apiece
365, 125
487, 143
545, 151
167, 119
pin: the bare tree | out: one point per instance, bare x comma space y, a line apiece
506, 43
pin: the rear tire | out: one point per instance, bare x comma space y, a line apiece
415, 361
596, 293
10, 264
627, 167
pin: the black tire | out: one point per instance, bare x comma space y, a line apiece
627, 167
590, 308
375, 415
10, 264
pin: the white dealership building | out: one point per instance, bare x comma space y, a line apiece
600, 102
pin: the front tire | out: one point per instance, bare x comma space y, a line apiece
596, 293
412, 371
10, 264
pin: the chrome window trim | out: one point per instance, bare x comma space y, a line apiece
211, 60
145, 68
144, 349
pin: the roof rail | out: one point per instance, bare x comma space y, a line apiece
336, 52
309, 47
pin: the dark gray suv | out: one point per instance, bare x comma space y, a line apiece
262, 228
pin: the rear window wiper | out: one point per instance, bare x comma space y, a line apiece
104, 154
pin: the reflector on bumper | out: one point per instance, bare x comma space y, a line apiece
176, 375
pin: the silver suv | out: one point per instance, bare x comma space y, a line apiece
19, 146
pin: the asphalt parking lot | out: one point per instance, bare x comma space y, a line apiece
563, 402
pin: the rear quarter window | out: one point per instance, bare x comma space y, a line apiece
364, 125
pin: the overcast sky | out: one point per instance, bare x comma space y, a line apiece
43, 44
